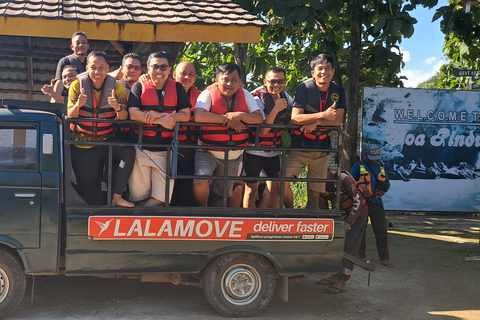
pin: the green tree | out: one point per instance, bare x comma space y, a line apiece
361, 35
462, 42
434, 82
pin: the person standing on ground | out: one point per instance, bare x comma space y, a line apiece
356, 217
318, 102
373, 182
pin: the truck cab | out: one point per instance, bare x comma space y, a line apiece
239, 256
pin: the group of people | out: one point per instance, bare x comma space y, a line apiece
158, 102
225, 110
417, 170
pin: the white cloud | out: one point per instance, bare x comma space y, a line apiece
430, 60
415, 77
437, 66
406, 54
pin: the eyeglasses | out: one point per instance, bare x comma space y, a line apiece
131, 66
162, 67
278, 81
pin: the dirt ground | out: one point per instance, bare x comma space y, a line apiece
437, 276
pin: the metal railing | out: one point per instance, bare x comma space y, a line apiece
173, 154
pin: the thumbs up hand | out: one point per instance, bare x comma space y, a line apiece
331, 113
112, 102
82, 98
117, 74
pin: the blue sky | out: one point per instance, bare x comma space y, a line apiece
422, 53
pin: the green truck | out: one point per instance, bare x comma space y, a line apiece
239, 257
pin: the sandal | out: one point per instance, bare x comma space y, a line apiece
387, 263
327, 282
334, 290
337, 288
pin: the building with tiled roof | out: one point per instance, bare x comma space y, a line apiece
35, 34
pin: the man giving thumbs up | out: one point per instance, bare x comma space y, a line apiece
318, 102
95, 94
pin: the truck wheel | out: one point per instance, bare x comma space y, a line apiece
12, 283
239, 284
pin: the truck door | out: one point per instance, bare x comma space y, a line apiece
20, 185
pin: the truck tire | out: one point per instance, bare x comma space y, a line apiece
239, 284
12, 283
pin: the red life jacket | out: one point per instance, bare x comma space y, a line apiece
95, 109
274, 136
221, 136
315, 104
193, 93
149, 100
189, 133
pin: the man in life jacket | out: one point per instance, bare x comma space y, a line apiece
276, 105
131, 70
159, 103
59, 90
79, 47
230, 106
128, 74
97, 95
318, 102
356, 217
373, 182
186, 74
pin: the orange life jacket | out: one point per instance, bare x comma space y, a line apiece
364, 182
221, 135
346, 201
274, 136
149, 102
95, 109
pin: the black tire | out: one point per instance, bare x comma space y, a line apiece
239, 284
12, 283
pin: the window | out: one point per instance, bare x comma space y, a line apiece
18, 148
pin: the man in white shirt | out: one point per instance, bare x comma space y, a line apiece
230, 106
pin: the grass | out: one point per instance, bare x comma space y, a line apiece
300, 192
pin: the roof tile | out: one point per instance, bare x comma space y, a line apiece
203, 12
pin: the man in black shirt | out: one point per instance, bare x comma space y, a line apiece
159, 103
79, 47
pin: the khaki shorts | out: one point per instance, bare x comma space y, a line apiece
206, 164
317, 163
147, 180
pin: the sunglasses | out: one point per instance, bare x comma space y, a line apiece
163, 67
131, 66
279, 81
